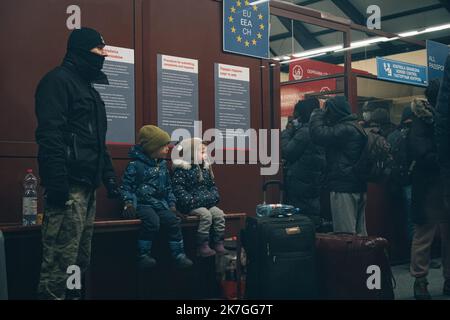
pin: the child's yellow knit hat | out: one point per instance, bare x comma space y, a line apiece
152, 138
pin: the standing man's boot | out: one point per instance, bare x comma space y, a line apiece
421, 290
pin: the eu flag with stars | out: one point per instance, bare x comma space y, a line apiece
246, 28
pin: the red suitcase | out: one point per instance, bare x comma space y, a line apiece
345, 267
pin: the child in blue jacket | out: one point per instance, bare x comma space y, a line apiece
147, 191
197, 194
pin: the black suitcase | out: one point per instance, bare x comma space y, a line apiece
280, 258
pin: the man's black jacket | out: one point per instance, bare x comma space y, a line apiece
71, 130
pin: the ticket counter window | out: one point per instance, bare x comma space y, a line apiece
321, 89
309, 60
393, 97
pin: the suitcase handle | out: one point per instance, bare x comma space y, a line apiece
273, 182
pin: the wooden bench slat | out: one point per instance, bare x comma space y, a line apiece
115, 225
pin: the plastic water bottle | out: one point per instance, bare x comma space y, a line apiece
29, 202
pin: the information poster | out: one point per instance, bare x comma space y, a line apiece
177, 93
232, 98
119, 95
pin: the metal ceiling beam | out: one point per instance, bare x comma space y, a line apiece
445, 4
372, 53
411, 12
280, 36
273, 52
356, 16
350, 11
307, 3
303, 36
393, 16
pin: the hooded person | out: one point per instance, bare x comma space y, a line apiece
89, 64
336, 130
73, 158
305, 161
429, 213
197, 194
381, 119
442, 138
407, 116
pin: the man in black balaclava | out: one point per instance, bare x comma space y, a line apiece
73, 159
335, 129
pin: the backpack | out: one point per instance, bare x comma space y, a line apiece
402, 166
375, 162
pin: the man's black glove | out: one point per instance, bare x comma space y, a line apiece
112, 188
57, 197
129, 212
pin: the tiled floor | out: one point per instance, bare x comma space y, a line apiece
404, 289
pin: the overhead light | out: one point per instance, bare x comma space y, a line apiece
303, 58
254, 3
365, 43
276, 59
357, 44
409, 34
437, 28
317, 51
426, 30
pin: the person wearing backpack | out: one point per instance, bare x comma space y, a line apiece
375, 115
428, 210
381, 122
442, 131
442, 137
335, 129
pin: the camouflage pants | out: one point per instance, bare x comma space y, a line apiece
66, 241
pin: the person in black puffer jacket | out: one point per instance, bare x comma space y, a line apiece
73, 159
306, 162
335, 129
428, 209
442, 131
442, 136
197, 194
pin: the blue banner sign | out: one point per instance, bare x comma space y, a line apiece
403, 72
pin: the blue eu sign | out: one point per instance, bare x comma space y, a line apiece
246, 28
